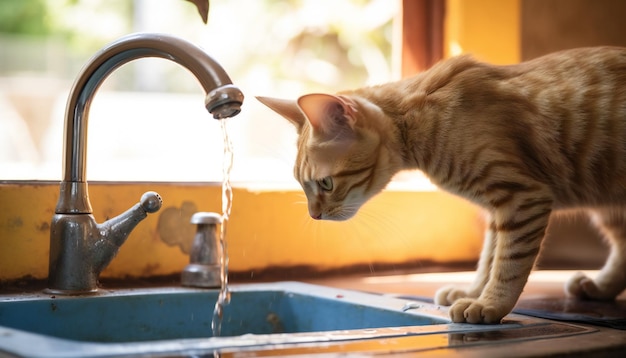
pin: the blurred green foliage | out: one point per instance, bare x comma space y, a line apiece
318, 44
26, 17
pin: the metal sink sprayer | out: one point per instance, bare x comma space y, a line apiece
79, 247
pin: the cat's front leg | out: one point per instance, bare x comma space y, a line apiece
518, 234
447, 295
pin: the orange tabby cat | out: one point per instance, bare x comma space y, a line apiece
520, 141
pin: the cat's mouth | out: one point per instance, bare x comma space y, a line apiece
340, 215
342, 212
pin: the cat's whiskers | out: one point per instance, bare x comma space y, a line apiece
302, 199
380, 216
354, 233
309, 225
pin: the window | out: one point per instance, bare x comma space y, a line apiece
147, 122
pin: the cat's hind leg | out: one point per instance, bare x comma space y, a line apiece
611, 280
447, 295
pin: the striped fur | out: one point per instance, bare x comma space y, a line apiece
521, 141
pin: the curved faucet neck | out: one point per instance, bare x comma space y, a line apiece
74, 196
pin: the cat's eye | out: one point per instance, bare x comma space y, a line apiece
326, 183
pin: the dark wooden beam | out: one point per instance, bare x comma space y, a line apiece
422, 34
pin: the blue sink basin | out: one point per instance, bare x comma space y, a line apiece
141, 315
176, 321
144, 321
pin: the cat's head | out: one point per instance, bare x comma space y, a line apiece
341, 160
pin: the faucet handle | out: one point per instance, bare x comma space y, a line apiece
204, 269
80, 249
151, 202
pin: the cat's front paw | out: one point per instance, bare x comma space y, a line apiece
583, 287
471, 310
447, 295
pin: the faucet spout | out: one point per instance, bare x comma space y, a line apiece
79, 247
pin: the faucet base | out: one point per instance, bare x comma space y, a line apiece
196, 275
57, 292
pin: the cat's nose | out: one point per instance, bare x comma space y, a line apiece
316, 216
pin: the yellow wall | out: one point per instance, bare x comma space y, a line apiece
488, 29
267, 229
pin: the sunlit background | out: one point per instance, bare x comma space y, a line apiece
148, 122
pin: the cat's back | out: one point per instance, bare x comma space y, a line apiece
578, 92
561, 116
574, 71
578, 101
581, 59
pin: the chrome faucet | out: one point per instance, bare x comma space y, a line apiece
79, 247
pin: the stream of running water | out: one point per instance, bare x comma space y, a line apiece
227, 202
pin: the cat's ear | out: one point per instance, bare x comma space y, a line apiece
286, 108
328, 114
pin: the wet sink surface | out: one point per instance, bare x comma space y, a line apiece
174, 320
